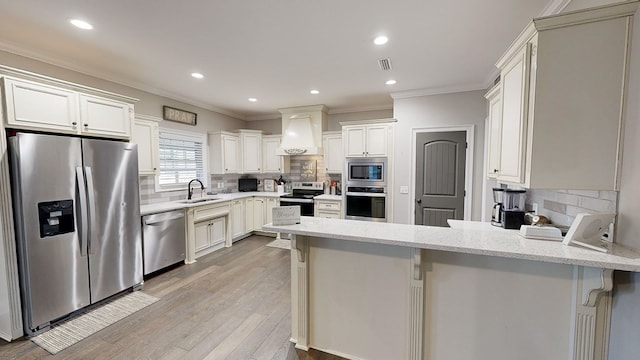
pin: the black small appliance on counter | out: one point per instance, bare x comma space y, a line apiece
247, 184
512, 214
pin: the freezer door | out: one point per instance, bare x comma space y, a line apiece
54, 272
115, 241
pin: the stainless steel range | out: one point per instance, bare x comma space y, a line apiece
302, 195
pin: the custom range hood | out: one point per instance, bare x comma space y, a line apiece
302, 130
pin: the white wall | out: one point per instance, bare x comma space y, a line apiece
457, 109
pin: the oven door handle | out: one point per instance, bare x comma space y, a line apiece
366, 194
297, 201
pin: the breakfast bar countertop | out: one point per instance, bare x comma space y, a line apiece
478, 240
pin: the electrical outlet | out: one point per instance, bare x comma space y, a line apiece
534, 208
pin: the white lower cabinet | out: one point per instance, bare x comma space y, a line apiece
207, 229
271, 203
209, 233
331, 209
237, 219
248, 215
258, 213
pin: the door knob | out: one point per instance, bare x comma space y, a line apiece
419, 201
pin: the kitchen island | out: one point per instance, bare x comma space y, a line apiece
390, 291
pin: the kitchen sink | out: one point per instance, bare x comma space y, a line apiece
199, 200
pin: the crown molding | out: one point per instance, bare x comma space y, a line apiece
438, 90
360, 109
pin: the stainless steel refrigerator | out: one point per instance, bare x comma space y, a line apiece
77, 214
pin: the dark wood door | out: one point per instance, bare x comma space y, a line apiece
440, 177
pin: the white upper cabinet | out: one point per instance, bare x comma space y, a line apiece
224, 153
563, 86
251, 149
272, 163
33, 105
495, 131
145, 133
36, 106
370, 140
105, 117
333, 152
514, 87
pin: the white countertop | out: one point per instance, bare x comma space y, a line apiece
179, 204
470, 240
328, 197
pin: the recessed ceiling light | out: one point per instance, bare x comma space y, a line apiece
253, 99
314, 92
381, 40
81, 24
391, 82
197, 75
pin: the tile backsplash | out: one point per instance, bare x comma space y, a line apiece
229, 183
562, 206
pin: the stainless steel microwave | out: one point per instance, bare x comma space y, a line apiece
367, 171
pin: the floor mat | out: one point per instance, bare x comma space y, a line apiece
280, 243
71, 331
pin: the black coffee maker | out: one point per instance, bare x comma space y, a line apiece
496, 211
512, 214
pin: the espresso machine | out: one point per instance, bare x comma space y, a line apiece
496, 211
512, 214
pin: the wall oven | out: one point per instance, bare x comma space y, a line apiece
366, 203
367, 171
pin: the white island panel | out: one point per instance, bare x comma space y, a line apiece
358, 297
481, 307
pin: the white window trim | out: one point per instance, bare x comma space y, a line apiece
186, 135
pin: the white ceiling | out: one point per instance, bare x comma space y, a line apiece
273, 50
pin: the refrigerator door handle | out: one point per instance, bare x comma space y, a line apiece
92, 205
82, 192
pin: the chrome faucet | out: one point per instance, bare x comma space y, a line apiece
190, 191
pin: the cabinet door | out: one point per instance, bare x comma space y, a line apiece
494, 139
230, 147
333, 154
271, 163
217, 231
376, 140
105, 117
258, 213
144, 133
271, 203
514, 93
237, 218
248, 215
251, 153
40, 107
201, 235
356, 142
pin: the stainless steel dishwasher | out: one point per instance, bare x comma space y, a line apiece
163, 238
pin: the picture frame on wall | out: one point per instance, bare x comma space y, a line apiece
177, 115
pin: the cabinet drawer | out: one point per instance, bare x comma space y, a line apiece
210, 212
329, 205
328, 214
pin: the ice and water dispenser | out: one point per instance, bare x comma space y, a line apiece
55, 217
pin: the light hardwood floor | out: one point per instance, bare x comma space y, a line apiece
232, 304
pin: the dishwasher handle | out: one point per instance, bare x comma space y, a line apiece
160, 219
